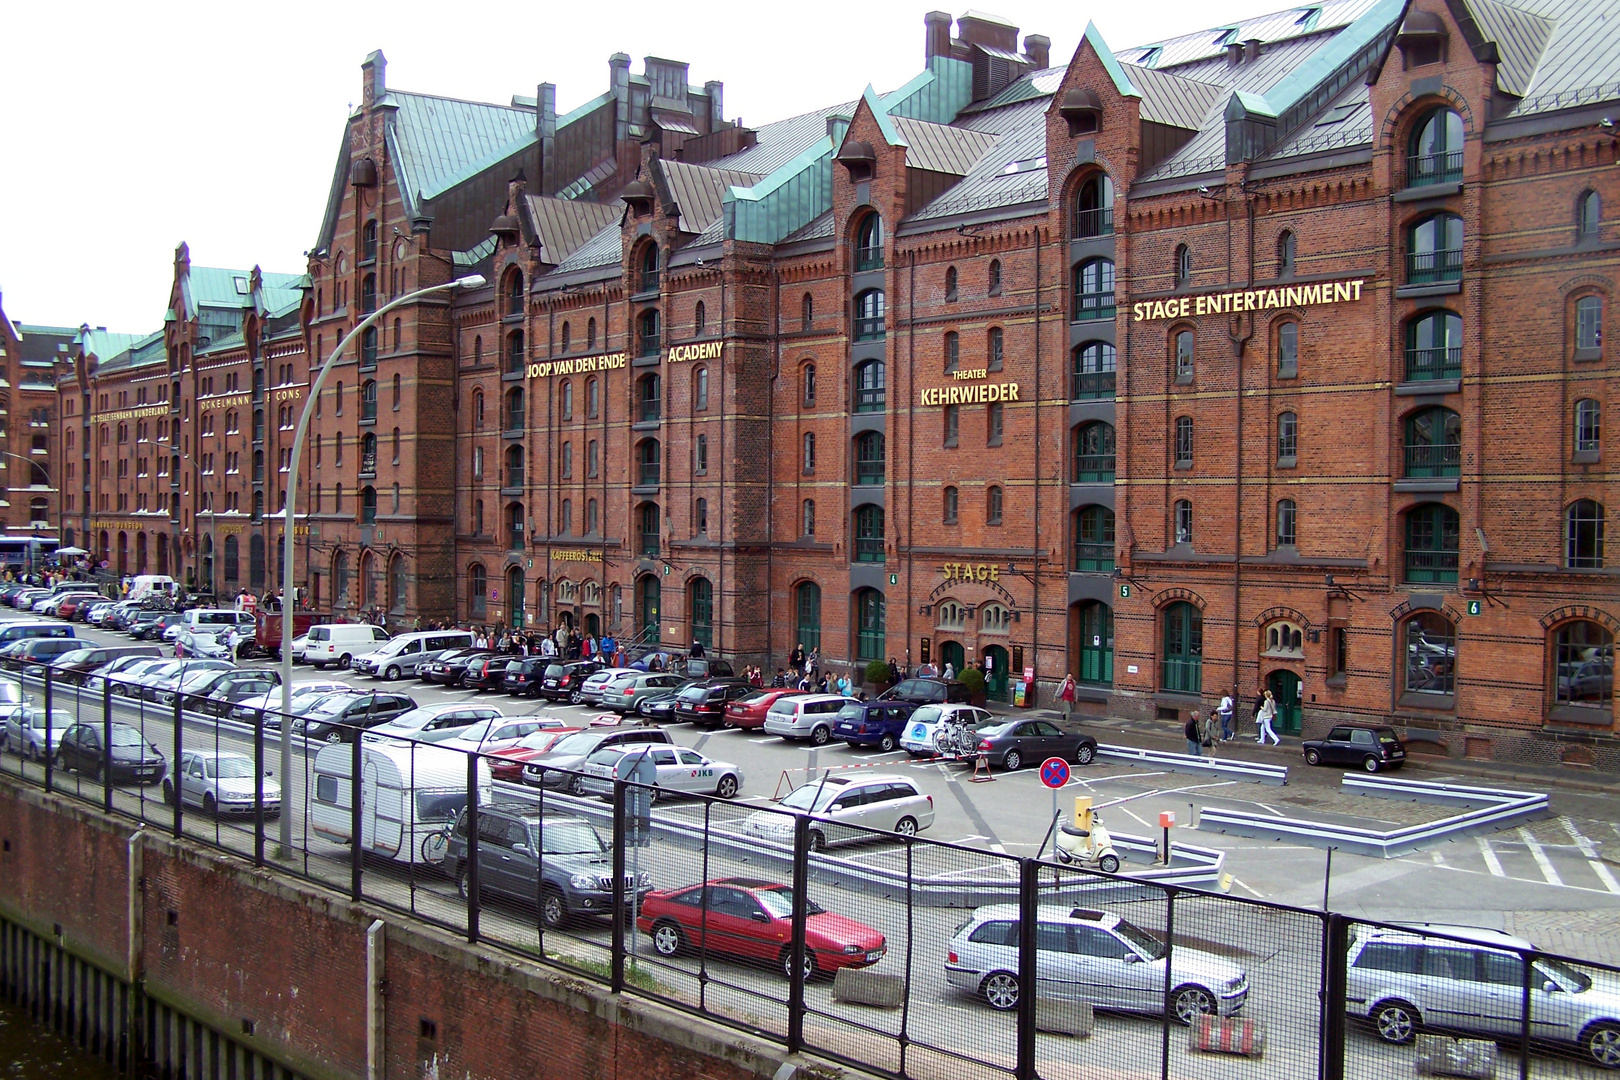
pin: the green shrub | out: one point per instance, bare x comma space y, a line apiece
973, 679
877, 672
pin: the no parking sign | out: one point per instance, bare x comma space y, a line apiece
1054, 772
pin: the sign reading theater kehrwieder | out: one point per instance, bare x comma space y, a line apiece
1224, 303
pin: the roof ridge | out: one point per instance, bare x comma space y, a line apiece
459, 101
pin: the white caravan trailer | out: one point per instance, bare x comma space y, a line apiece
408, 791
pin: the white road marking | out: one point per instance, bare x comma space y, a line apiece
1198, 787
1078, 779
1439, 859
1540, 855
1492, 863
1273, 811
1592, 858
1133, 814
869, 757
1239, 881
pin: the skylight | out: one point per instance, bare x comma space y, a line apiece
1013, 168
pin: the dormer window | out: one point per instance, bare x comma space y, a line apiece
1082, 109
1422, 40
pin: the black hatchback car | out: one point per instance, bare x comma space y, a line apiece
563, 680
451, 667
523, 676
704, 703
335, 717
927, 692
133, 758
1372, 748
486, 672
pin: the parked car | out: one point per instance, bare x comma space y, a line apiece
451, 667
206, 642
749, 711
563, 678
524, 675
873, 723
507, 763
133, 758
24, 731
678, 770
96, 614
497, 733
658, 709
400, 655
1016, 743
78, 665
560, 767
149, 625
627, 693
24, 600
163, 684
116, 670
704, 704
591, 691
487, 673
235, 688
221, 782
1094, 956
302, 694
1472, 982
1372, 748
340, 643
844, 808
68, 606
23, 629
753, 920
335, 718
927, 692
923, 724
807, 716
32, 655
431, 718
561, 861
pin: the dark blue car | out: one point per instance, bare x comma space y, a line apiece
873, 723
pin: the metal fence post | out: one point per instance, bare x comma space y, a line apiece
1335, 952
106, 739
50, 755
356, 797
258, 788
1029, 903
619, 831
1524, 1017
474, 901
1169, 963
174, 766
796, 949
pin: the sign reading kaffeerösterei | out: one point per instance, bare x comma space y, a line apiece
1225, 303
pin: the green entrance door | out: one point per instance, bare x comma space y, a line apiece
950, 652
996, 676
1096, 644
1284, 687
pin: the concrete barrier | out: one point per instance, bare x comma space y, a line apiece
1259, 772
1239, 1035
861, 986
1064, 1016
1440, 1055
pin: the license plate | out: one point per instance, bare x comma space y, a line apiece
874, 957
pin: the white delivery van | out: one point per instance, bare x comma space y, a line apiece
146, 586
339, 643
408, 792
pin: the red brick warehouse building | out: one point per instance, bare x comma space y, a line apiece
1268, 355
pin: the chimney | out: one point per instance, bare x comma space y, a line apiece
1038, 47
1251, 50
545, 130
936, 35
374, 78
619, 87
1234, 53
715, 90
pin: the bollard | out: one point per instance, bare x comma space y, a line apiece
1227, 1035
858, 986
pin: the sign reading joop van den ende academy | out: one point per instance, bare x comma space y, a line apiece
581, 365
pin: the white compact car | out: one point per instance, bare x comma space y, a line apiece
844, 808
678, 770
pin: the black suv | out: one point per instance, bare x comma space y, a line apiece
524, 675
927, 692
561, 861
563, 680
705, 703
340, 715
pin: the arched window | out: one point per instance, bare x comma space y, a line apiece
593, 459
567, 337
953, 351
807, 518
478, 350
1288, 350
1283, 639
992, 505
1183, 264
515, 361
649, 522
870, 386
592, 522
398, 390
869, 458
1093, 208
368, 505
1430, 641
1184, 345
1091, 371
869, 534
869, 316
514, 526
590, 334
700, 393
1093, 290
397, 590
368, 347
995, 619
807, 312
368, 453
1583, 535
647, 333
869, 243
1431, 544
1287, 439
368, 402
699, 317
1184, 442
1183, 514
1583, 666
807, 385
514, 467
648, 268
514, 418
478, 410
1589, 328
649, 398
396, 446
1285, 254
396, 497
1435, 153
949, 513
701, 526
807, 608
477, 592
1588, 215
368, 294
1094, 453
1096, 644
702, 609
1434, 250
647, 463
1588, 426
565, 461
994, 283
1433, 443
1434, 346
1181, 669
1287, 523
593, 398
950, 616
869, 620
809, 462
950, 285
1093, 540
368, 242
568, 399
565, 517
994, 352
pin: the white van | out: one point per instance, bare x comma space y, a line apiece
401, 654
339, 643
407, 793
209, 620
146, 586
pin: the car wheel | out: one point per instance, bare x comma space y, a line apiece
391, 672
1602, 1042
463, 885
576, 786
1190, 1001
344, 661
727, 787
810, 968
668, 939
553, 912
1012, 761
818, 842
575, 698
1313, 756
906, 826
533, 691
1371, 764
1395, 1021
209, 806
334, 737
318, 665
1000, 990
1085, 753
1108, 864
819, 735
100, 774
168, 793
886, 743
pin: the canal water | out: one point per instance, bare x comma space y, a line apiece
29, 1051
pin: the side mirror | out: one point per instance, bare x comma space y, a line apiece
760, 916
1132, 958
521, 849
268, 772
1550, 987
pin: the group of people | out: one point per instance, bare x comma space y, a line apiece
804, 671
1205, 732
565, 643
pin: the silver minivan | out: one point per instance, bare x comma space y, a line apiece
400, 655
811, 716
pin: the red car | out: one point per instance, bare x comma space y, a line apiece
749, 712
508, 764
754, 920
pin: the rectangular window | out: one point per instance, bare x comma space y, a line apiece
702, 454
1184, 442
993, 425
1588, 426
953, 420
1184, 355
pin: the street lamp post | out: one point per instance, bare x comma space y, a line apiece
48, 487
288, 604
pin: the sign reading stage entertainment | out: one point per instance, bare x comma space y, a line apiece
1292, 296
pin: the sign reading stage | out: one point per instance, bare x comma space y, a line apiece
1182, 307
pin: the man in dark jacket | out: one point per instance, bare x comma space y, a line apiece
1194, 731
894, 672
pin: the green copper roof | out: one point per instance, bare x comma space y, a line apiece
935, 95
1122, 82
891, 134
788, 199
1338, 53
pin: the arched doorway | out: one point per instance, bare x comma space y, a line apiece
997, 677
162, 553
951, 653
515, 599
140, 553
593, 626
1284, 687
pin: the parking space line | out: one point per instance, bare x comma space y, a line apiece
1591, 853
869, 757
1540, 855
1492, 863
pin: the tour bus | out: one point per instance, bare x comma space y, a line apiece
408, 792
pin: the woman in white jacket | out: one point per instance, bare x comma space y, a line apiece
1268, 713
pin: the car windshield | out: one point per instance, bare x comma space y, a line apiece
224, 618
1143, 940
813, 797
539, 740
1565, 974
582, 742
415, 718
928, 714
571, 838
124, 735
10, 694
778, 903
230, 768
332, 703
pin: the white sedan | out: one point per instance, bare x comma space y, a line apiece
678, 770
248, 708
221, 782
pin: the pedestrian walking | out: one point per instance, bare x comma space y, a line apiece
950, 671
1194, 733
894, 672
1066, 695
1224, 710
1212, 733
1268, 713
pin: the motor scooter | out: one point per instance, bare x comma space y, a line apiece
1084, 841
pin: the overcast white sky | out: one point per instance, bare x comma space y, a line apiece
130, 127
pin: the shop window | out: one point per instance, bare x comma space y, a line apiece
1430, 643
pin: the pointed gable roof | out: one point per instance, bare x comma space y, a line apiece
697, 192
565, 225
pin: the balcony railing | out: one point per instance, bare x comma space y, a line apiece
1091, 384
368, 464
1088, 223
1438, 459
1093, 558
647, 474
514, 362
514, 537
514, 422
368, 412
1442, 168
1423, 365
1093, 305
870, 398
649, 544
869, 473
869, 258
1431, 566
647, 345
650, 411
649, 281
869, 549
1094, 469
870, 329
1427, 267
514, 476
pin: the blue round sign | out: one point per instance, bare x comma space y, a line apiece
1054, 772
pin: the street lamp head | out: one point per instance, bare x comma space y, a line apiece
471, 281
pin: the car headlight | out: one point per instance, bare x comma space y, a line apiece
853, 949
646, 879
584, 881
1234, 985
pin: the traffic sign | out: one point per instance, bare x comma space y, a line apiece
1054, 772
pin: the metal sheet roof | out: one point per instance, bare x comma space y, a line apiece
784, 140
1272, 27
1174, 100
1011, 172
938, 148
670, 120
211, 286
565, 225
606, 248
1347, 121
699, 191
1581, 52
443, 140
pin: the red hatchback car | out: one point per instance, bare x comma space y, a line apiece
749, 711
508, 764
753, 920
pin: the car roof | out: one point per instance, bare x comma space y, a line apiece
1050, 913
1413, 933
528, 812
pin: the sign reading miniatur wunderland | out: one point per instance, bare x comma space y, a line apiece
1225, 303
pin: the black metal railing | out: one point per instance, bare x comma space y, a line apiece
649, 543
868, 258
650, 411
869, 549
1424, 365
514, 476
870, 398
1439, 567
1441, 168
1433, 459
1085, 385
870, 329
1093, 469
1089, 223
647, 344
1429, 267
647, 474
368, 464
869, 472
1093, 558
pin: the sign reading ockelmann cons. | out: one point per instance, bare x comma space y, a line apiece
1182, 307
